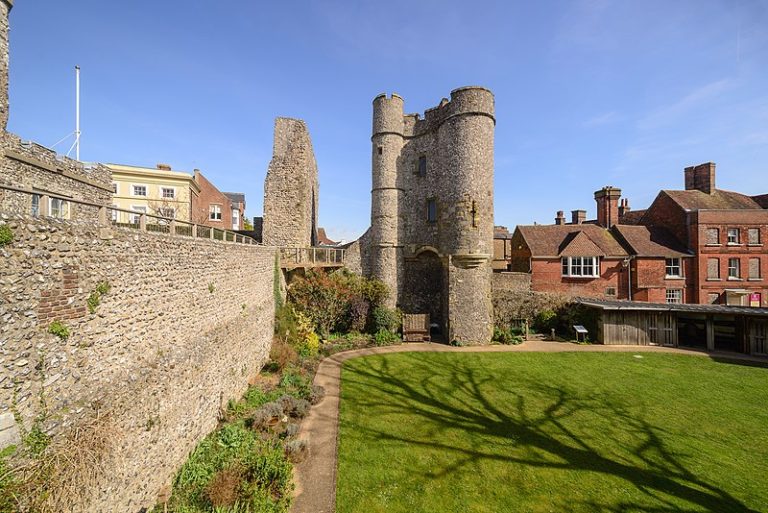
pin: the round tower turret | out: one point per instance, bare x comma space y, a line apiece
466, 142
387, 144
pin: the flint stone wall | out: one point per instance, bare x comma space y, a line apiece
291, 188
27, 165
511, 281
183, 328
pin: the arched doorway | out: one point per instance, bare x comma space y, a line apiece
423, 288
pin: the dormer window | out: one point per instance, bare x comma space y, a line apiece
581, 267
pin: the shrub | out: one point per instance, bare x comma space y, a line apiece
336, 302
282, 353
316, 394
59, 329
6, 235
385, 319
385, 338
545, 321
224, 489
456, 343
296, 450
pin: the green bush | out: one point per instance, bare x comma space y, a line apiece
385, 338
385, 319
59, 329
6, 235
336, 302
545, 321
511, 336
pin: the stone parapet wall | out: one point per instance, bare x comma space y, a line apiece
27, 165
511, 281
186, 323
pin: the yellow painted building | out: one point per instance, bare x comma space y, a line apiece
158, 191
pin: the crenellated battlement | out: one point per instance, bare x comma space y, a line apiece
432, 187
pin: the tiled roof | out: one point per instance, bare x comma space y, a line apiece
718, 200
550, 240
633, 216
235, 197
323, 239
651, 241
579, 244
761, 200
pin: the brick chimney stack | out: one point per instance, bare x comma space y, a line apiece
623, 208
700, 178
607, 200
560, 219
164, 167
578, 216
5, 10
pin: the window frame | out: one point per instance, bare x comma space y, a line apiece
717, 236
759, 275
672, 266
138, 209
737, 268
431, 210
673, 296
421, 166
164, 189
133, 190
61, 211
577, 266
213, 210
737, 236
758, 240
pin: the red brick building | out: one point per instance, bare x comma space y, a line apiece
223, 210
699, 245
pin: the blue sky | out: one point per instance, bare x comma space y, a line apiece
588, 93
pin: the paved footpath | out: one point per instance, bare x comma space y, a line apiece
315, 478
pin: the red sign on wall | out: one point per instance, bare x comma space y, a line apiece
755, 299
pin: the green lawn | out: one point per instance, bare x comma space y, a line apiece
567, 432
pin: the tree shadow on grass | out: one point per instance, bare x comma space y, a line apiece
453, 397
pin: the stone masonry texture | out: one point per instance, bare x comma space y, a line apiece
185, 325
291, 188
432, 210
32, 167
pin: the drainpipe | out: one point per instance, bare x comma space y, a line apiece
628, 263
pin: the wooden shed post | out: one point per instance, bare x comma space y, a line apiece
710, 333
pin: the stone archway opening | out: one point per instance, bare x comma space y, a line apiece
424, 290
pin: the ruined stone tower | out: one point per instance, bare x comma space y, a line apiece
5, 9
291, 188
431, 235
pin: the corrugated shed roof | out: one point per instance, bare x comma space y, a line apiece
606, 304
550, 240
718, 200
651, 241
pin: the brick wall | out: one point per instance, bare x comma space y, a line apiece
201, 204
185, 325
547, 277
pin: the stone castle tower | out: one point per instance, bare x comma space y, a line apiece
5, 9
431, 236
291, 188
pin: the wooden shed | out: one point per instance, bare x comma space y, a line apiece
709, 327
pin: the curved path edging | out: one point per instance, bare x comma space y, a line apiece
315, 478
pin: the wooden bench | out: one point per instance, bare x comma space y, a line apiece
416, 328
